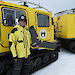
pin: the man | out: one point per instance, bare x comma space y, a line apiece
19, 42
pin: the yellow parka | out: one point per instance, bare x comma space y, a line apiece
20, 42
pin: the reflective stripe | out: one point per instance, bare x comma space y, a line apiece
20, 41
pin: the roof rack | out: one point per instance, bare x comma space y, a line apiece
71, 11
37, 5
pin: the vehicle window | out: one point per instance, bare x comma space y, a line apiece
10, 16
43, 20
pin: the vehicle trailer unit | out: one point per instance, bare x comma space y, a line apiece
65, 29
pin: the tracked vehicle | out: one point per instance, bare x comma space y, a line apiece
42, 23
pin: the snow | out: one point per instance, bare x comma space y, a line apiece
65, 65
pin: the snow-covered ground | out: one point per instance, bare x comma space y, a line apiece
65, 65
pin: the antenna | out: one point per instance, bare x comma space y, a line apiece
38, 5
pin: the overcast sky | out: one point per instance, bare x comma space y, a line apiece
54, 5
